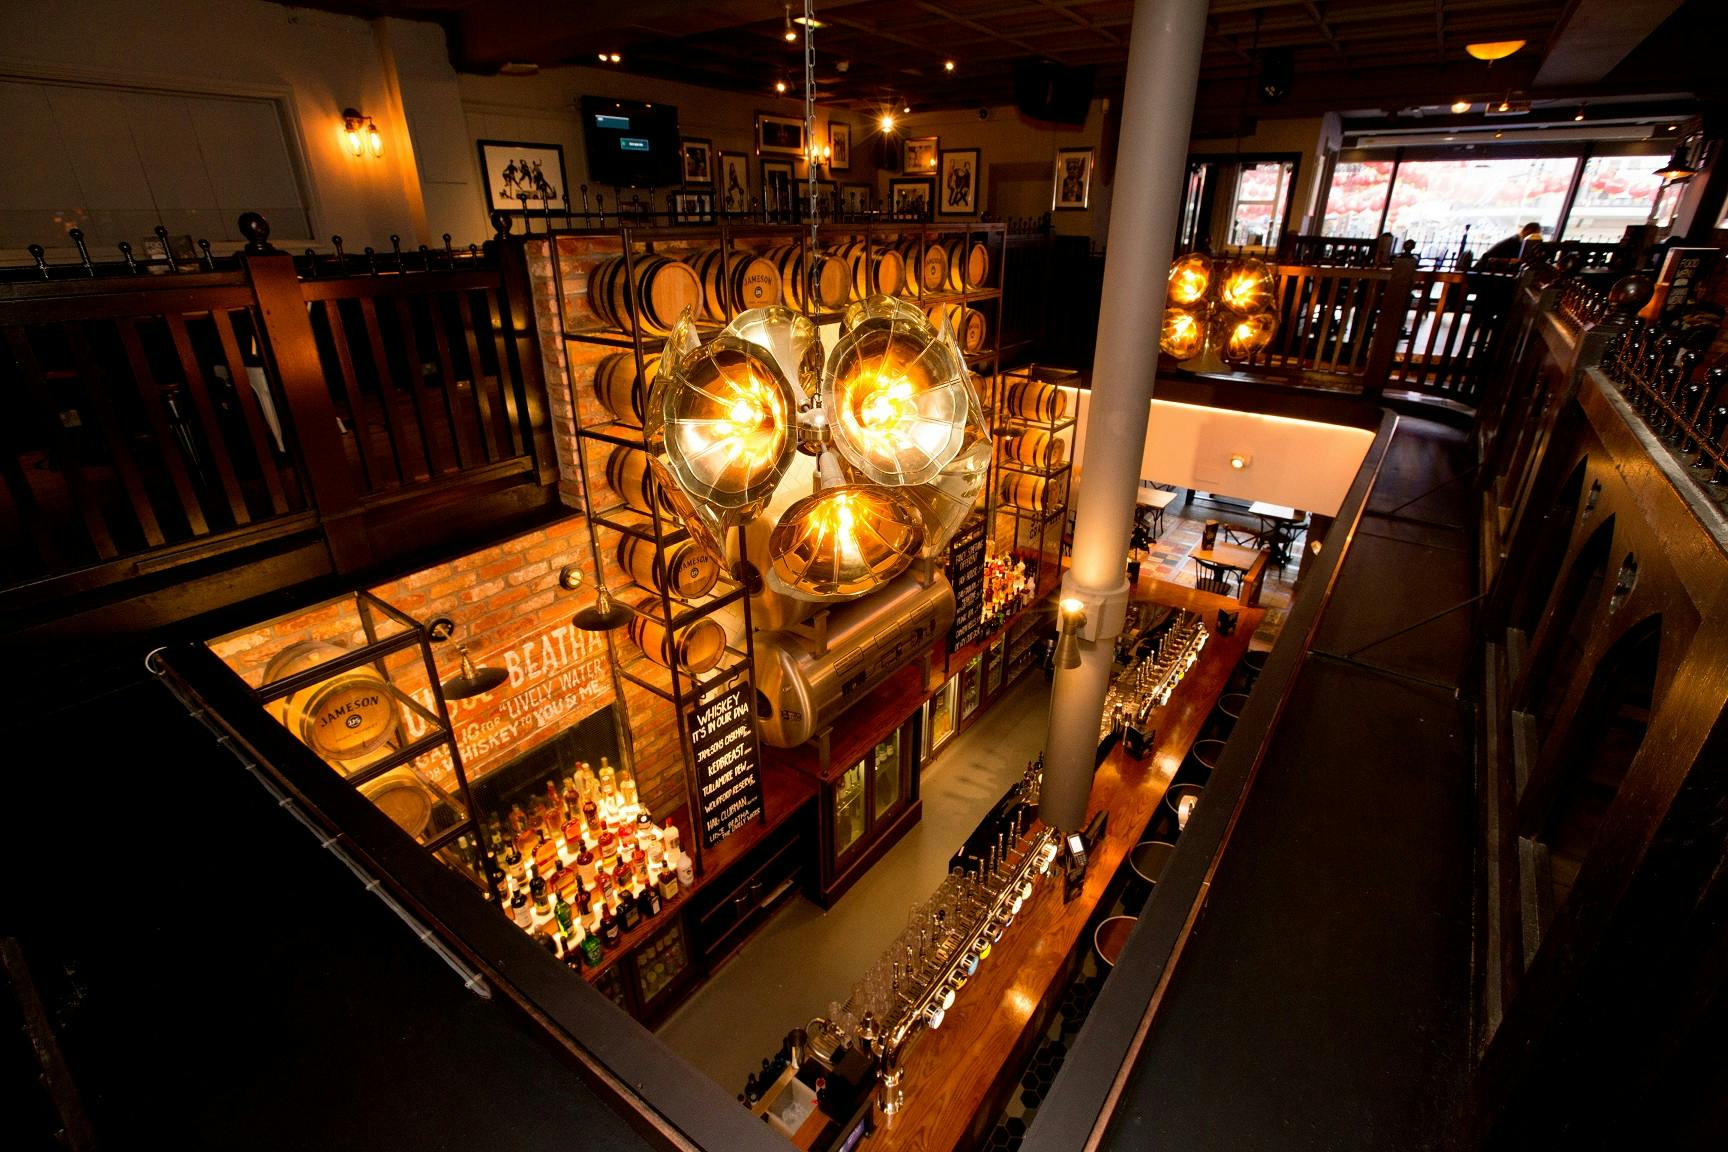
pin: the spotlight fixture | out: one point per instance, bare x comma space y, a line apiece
1071, 615
361, 133
791, 33
1580, 113
570, 577
1461, 106
780, 87
947, 65
1493, 50
610, 58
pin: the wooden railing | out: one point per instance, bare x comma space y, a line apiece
1366, 329
195, 437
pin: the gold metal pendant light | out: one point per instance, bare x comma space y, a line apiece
843, 542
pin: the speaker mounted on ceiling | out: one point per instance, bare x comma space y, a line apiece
1277, 73
1047, 90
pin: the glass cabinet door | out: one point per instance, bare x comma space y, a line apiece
849, 810
942, 714
971, 681
886, 774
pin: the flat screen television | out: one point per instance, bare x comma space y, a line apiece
630, 144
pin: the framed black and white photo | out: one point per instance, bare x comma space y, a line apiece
839, 146
779, 135
779, 197
515, 169
692, 207
698, 162
957, 188
734, 187
855, 199
921, 156
1073, 181
910, 199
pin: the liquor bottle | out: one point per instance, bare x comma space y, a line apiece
629, 915
584, 900
547, 942
608, 851
564, 882
546, 856
649, 901
573, 952
519, 910
591, 815
565, 915
518, 818
622, 875
608, 927
686, 870
669, 841
592, 953
644, 828
537, 892
573, 831
585, 865
668, 884
513, 865
555, 799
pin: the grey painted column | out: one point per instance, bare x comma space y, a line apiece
1157, 109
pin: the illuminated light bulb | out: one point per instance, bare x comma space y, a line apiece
887, 122
602, 57
1190, 277
843, 542
1247, 286
354, 141
1460, 106
1183, 334
1248, 335
374, 140
1238, 461
615, 58
724, 410
780, 86
947, 65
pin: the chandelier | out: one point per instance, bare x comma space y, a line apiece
897, 438
1217, 311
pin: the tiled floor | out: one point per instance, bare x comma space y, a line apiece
804, 958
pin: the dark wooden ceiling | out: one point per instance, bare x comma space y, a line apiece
1344, 54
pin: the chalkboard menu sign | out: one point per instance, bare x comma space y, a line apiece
966, 574
723, 749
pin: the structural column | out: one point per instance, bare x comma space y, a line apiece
1157, 109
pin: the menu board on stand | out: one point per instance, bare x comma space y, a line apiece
724, 753
966, 574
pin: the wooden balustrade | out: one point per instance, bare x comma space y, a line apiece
188, 439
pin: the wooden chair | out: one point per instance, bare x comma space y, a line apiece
1219, 582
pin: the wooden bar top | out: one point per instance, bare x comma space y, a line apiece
959, 1077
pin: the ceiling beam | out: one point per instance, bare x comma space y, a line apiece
1598, 34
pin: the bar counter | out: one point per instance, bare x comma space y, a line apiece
958, 1078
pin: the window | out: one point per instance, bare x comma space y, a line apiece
1616, 191
1447, 204
1356, 198
1257, 217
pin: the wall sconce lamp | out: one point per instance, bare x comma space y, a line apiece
1685, 163
361, 133
1072, 617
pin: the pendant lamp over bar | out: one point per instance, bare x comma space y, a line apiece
471, 680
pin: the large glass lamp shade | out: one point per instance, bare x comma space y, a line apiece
1246, 335
1247, 286
843, 542
727, 416
896, 394
1184, 333
1190, 277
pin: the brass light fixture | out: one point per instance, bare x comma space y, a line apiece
361, 133
1459, 107
790, 34
892, 419
1218, 310
471, 680
1684, 163
1071, 618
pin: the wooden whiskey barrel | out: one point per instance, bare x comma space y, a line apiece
1035, 449
349, 720
743, 282
618, 388
627, 475
968, 267
682, 569
875, 268
1028, 492
661, 290
968, 324
833, 279
697, 647
1035, 400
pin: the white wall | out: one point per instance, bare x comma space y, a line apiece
314, 63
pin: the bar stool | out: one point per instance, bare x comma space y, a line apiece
1248, 670
1202, 758
1147, 860
1174, 800
1109, 937
1229, 710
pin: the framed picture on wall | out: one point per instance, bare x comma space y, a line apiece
777, 191
958, 185
692, 207
779, 135
1073, 182
839, 146
910, 199
698, 162
518, 173
734, 188
921, 156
